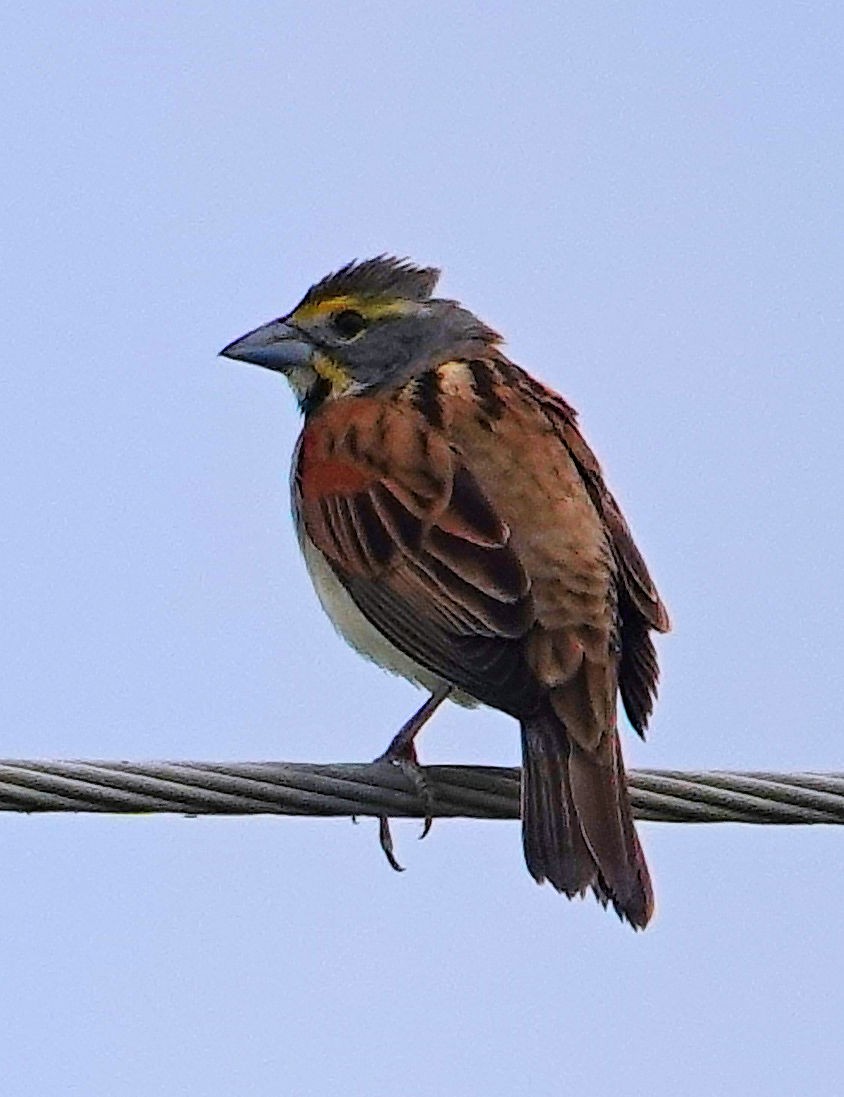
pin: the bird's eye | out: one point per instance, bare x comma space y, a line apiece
348, 323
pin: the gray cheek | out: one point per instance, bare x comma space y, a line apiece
385, 356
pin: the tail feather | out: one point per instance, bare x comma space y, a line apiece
577, 824
554, 846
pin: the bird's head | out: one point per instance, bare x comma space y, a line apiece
370, 324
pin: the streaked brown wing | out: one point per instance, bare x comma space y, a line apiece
639, 604
420, 550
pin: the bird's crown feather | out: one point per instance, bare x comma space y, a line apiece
383, 276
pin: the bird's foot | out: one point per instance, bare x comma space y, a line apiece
406, 760
402, 753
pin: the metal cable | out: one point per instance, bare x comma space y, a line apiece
477, 792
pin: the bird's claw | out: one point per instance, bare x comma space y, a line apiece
386, 839
404, 757
402, 753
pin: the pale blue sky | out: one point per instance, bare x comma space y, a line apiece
647, 200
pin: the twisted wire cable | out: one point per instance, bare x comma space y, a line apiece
477, 792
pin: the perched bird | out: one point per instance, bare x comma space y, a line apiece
459, 532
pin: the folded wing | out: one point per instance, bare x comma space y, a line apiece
419, 548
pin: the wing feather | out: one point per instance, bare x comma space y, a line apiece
639, 604
423, 555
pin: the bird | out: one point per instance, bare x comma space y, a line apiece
459, 532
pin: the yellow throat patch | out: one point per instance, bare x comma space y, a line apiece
333, 373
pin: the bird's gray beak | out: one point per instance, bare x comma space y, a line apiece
276, 345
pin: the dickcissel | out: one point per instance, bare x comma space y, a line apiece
459, 532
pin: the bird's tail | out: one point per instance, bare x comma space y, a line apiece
577, 824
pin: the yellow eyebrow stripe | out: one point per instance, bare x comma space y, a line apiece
371, 308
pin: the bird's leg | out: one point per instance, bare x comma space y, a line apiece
402, 753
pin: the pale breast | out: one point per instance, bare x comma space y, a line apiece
359, 632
